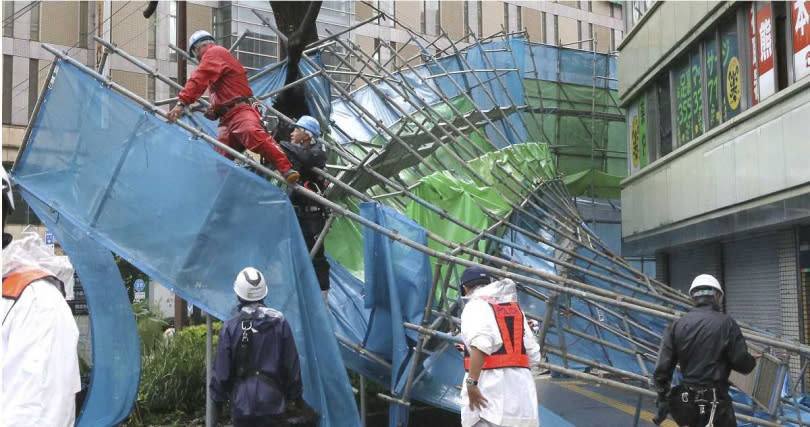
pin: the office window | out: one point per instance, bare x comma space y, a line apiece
173, 28
34, 22
466, 17
8, 67
637, 126
8, 19
519, 18
731, 70
697, 93
84, 11
506, 16
713, 81
150, 88
543, 27
422, 18
480, 18
151, 43
33, 83
664, 119
438, 22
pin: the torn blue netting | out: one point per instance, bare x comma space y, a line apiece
116, 349
181, 213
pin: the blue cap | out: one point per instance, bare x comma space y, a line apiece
474, 276
311, 124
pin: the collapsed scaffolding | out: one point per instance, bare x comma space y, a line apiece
451, 163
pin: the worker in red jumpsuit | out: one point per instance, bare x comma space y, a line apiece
240, 124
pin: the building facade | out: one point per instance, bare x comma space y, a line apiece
718, 99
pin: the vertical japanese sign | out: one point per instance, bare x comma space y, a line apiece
713, 83
697, 94
767, 75
801, 38
753, 40
683, 93
732, 72
637, 117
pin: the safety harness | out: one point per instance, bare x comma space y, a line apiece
244, 368
689, 404
512, 354
18, 280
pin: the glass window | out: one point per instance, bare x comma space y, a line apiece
8, 19
697, 94
84, 12
664, 117
683, 97
713, 81
637, 117
7, 71
731, 70
172, 29
33, 82
34, 22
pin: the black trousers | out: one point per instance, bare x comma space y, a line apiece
311, 225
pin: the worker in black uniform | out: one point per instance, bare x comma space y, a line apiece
707, 344
305, 152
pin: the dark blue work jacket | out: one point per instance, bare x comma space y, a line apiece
272, 374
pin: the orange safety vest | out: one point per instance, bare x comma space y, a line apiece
512, 354
15, 283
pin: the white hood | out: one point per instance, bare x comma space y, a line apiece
500, 291
30, 251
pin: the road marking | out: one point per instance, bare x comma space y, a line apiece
631, 410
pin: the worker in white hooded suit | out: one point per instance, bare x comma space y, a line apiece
499, 388
40, 366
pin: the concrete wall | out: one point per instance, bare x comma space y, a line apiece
762, 152
664, 27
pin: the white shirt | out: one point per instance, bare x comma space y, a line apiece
40, 364
510, 392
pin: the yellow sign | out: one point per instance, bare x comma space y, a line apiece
733, 86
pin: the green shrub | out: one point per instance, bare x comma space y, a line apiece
172, 388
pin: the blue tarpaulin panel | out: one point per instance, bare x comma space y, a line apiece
116, 350
181, 213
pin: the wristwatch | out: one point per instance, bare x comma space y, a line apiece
469, 381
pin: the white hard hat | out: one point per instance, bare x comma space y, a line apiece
705, 281
197, 37
8, 197
250, 285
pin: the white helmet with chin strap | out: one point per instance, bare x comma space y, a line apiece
705, 284
197, 37
250, 285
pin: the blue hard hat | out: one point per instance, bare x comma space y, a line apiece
197, 37
474, 276
311, 124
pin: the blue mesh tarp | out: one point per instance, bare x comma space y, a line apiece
181, 213
116, 350
397, 287
318, 89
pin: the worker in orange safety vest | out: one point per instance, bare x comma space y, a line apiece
498, 388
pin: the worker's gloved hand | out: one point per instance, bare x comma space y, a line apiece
175, 113
292, 176
662, 402
210, 114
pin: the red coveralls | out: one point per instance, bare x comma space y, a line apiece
241, 126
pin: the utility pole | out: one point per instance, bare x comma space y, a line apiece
180, 310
